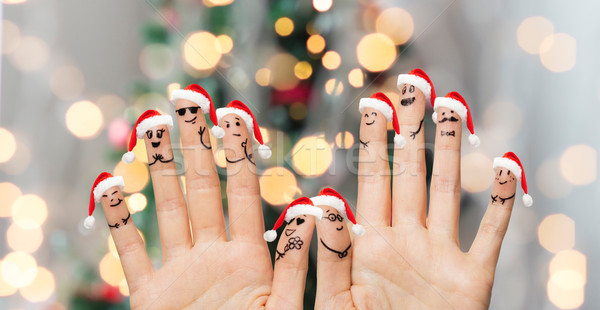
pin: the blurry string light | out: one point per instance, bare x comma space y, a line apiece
5, 288
18, 269
557, 233
278, 186
84, 119
13, 1
110, 270
397, 24
476, 172
124, 288
112, 106
356, 78
331, 60
558, 52
212, 3
376, 52
495, 116
29, 211
19, 162
568, 276
284, 26
303, 70
344, 140
224, 43
315, 43
282, 75
41, 288
67, 82
11, 36
9, 193
298, 111
172, 87
136, 202
200, 52
263, 76
578, 164
8, 143
564, 299
322, 5
24, 240
135, 175
220, 158
311, 156
266, 134
334, 87
31, 54
532, 31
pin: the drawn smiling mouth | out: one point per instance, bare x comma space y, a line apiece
118, 203
155, 144
502, 183
340, 228
371, 123
192, 120
407, 101
237, 134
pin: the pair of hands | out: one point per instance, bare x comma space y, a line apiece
408, 258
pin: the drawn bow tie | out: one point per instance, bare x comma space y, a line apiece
448, 133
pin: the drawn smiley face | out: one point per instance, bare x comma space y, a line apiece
189, 111
447, 115
407, 92
112, 197
234, 125
504, 177
373, 119
154, 135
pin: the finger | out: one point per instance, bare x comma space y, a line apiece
444, 207
334, 258
373, 166
243, 194
203, 187
173, 221
487, 243
409, 201
130, 246
291, 263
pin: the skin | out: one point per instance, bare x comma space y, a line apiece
116, 210
409, 257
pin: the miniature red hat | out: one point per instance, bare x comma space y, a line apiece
419, 79
146, 121
196, 94
240, 109
329, 197
103, 182
382, 103
297, 207
456, 102
511, 162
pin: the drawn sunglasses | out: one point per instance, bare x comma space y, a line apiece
181, 111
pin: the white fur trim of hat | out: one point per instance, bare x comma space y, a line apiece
417, 81
105, 184
332, 201
377, 105
192, 96
221, 112
302, 209
508, 164
452, 104
151, 122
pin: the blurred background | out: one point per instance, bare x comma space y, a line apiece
76, 74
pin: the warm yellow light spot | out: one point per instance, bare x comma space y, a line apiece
5, 288
311, 156
13, 1
224, 44
200, 52
9, 193
41, 288
135, 175
550, 180
67, 82
31, 54
11, 36
303, 70
9, 145
564, 299
284, 26
137, 202
84, 119
334, 87
298, 111
172, 87
29, 211
282, 71
278, 186
558, 52
322, 5
344, 140
263, 76
18, 269
156, 61
315, 44
265, 134
212, 3
331, 60
376, 52
24, 240
220, 158
578, 164
532, 31
557, 233
140, 151
397, 24
110, 270
569, 269
476, 172
356, 78
124, 288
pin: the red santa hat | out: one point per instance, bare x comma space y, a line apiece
103, 183
297, 207
383, 104
146, 121
241, 110
454, 101
329, 197
419, 79
196, 94
511, 162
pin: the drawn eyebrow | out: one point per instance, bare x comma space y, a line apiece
237, 118
327, 211
227, 122
162, 130
114, 192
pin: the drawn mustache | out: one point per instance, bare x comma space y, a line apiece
407, 101
448, 133
159, 158
451, 118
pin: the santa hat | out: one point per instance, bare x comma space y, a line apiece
297, 207
511, 162
383, 104
241, 110
196, 94
329, 197
147, 120
419, 79
454, 101
103, 183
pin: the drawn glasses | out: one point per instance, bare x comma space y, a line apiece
334, 217
181, 111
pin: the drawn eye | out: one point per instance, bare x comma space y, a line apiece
508, 173
104, 196
159, 134
443, 113
500, 173
366, 115
227, 125
149, 134
374, 113
237, 124
412, 89
403, 89
451, 111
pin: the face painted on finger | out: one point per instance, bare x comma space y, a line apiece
504, 186
411, 96
188, 111
236, 139
449, 123
373, 126
158, 145
333, 232
115, 209
295, 235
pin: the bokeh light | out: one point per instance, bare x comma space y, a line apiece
13, 1
41, 288
124, 288
344, 140
278, 186
315, 44
119, 132
219, 156
569, 269
322, 5
303, 70
84, 119
266, 135
282, 71
212, 3
136, 202
550, 180
156, 61
331, 60
311, 156
224, 43
67, 82
24, 240
263, 76
9, 193
578, 164
200, 52
18, 269
297, 111
284, 26
356, 78
558, 52
564, 299
557, 233
140, 151
135, 175
397, 24
476, 172
110, 270
112, 106
5, 288
494, 120
11, 36
31, 54
532, 31
376, 52
29, 211
9, 145
334, 87
171, 88
20, 160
